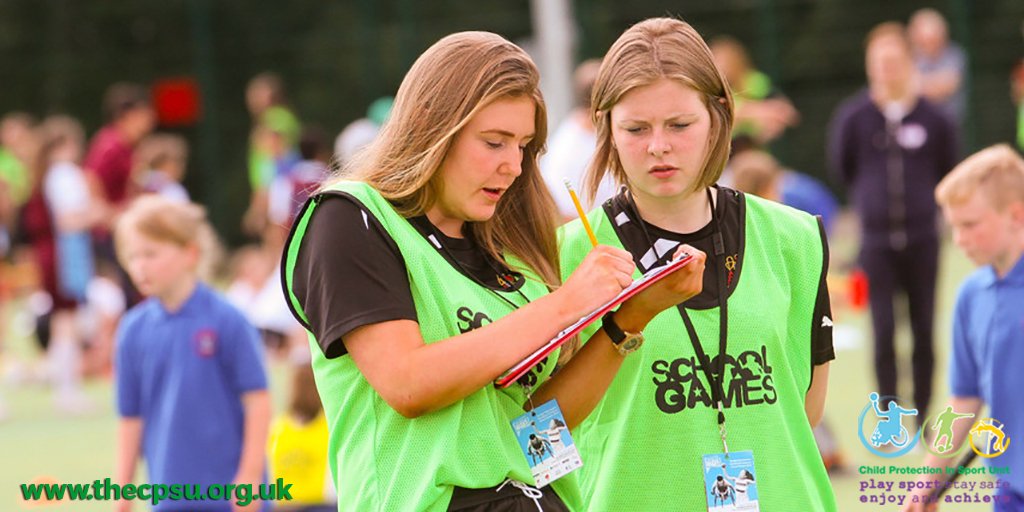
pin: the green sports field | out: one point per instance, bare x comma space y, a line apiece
37, 443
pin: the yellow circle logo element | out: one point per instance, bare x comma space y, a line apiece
987, 433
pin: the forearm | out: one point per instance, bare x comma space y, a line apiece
254, 435
814, 401
429, 377
941, 86
129, 442
581, 384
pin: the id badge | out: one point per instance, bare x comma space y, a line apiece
546, 443
731, 482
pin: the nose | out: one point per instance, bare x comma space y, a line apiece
658, 145
514, 163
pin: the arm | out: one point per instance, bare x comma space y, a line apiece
814, 400
581, 384
941, 85
416, 378
822, 349
840, 150
254, 437
971, 405
129, 443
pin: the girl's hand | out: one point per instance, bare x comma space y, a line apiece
676, 288
604, 273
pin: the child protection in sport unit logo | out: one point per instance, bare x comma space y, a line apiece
884, 428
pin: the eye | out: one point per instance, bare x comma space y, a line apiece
494, 145
635, 129
679, 126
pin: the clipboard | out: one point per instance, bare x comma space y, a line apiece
650, 277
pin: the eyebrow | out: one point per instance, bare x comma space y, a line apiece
676, 117
507, 133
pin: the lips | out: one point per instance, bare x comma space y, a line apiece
493, 193
662, 171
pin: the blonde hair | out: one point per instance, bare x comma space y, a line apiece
997, 172
177, 223
645, 53
447, 85
755, 172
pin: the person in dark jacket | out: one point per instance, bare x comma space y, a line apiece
890, 147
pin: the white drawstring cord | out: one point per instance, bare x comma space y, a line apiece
530, 492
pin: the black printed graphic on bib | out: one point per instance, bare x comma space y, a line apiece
469, 320
681, 384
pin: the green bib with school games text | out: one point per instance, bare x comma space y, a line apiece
382, 461
642, 446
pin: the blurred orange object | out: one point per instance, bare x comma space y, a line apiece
858, 289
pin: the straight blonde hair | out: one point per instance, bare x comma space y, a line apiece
645, 53
997, 172
164, 220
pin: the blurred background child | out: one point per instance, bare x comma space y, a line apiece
191, 383
73, 213
158, 166
298, 448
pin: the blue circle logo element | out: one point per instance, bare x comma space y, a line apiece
888, 428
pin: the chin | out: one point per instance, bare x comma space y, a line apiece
483, 214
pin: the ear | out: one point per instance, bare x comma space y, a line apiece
1016, 211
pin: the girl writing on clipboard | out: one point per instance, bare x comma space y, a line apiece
740, 369
427, 271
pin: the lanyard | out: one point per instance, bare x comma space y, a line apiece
717, 385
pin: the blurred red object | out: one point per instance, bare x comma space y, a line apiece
858, 289
177, 101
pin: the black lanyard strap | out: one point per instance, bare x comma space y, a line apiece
717, 385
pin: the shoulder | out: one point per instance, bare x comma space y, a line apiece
975, 284
857, 104
778, 212
573, 238
217, 306
139, 317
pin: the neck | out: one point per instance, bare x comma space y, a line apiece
685, 214
175, 298
899, 94
450, 226
1005, 264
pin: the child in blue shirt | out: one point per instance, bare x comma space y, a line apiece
983, 201
191, 383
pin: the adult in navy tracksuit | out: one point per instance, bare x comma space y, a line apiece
890, 148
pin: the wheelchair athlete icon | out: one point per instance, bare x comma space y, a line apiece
890, 429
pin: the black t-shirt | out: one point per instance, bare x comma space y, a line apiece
349, 272
731, 213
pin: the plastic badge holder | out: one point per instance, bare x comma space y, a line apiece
652, 276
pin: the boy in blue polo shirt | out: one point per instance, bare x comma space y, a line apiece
983, 201
191, 384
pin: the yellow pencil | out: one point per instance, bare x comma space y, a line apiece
579, 209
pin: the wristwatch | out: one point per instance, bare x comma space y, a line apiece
624, 342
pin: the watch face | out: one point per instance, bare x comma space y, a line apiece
631, 344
